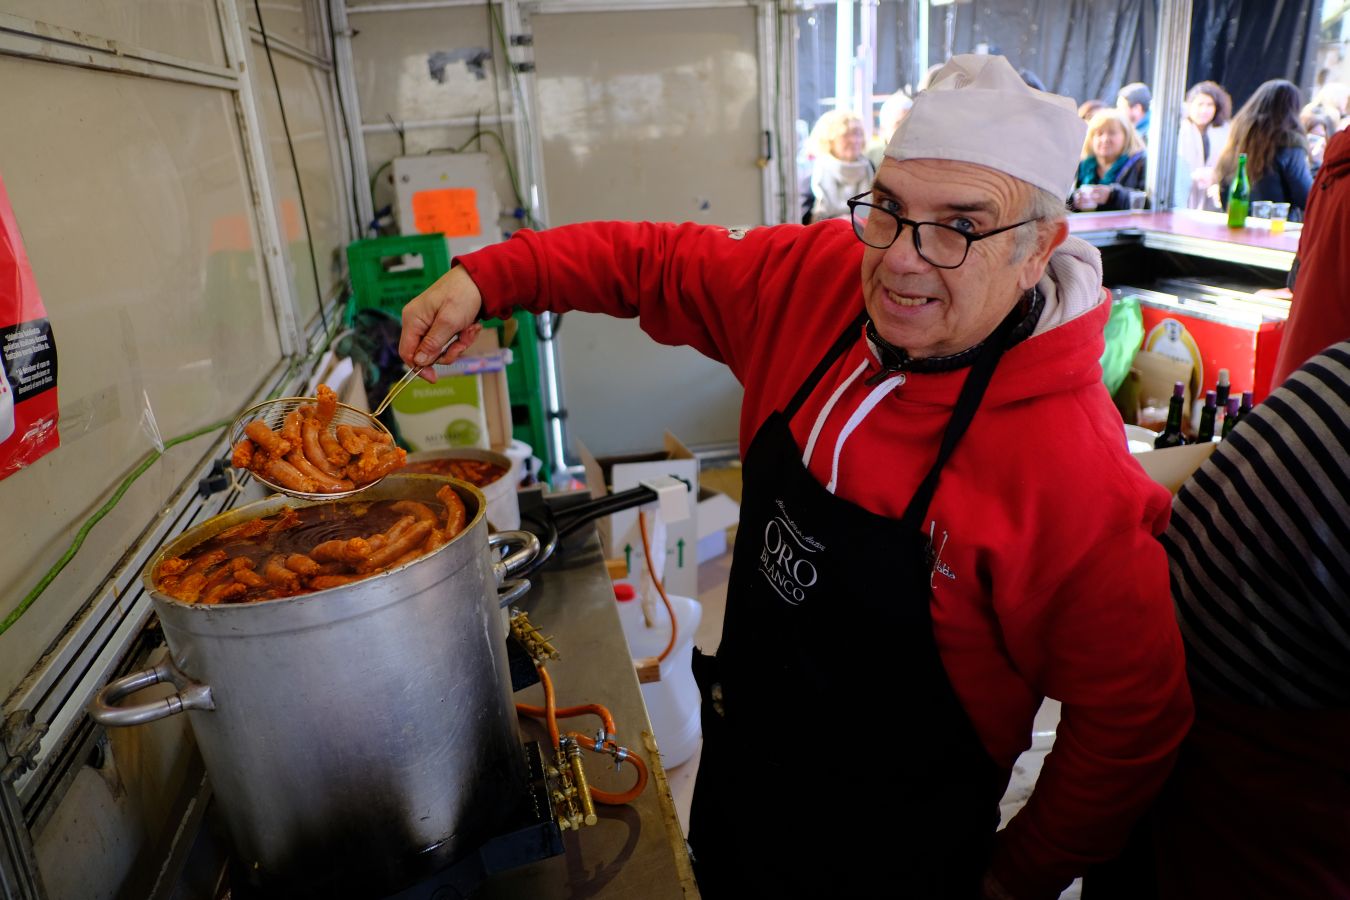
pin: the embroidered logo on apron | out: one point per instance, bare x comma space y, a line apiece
785, 562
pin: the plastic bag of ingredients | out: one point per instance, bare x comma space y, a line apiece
1124, 335
28, 410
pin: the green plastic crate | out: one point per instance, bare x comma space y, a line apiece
375, 286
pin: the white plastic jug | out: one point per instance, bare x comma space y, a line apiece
672, 703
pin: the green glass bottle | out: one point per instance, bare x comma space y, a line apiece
1172, 436
1230, 416
1205, 433
1239, 195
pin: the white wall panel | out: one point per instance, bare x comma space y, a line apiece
310, 114
133, 201
184, 28
647, 115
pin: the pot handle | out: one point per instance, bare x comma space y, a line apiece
191, 695
514, 562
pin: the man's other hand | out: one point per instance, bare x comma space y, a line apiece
448, 307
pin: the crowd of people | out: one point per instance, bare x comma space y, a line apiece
1283, 138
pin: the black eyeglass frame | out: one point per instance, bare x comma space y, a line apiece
854, 202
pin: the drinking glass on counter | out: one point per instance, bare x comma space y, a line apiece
1138, 201
1279, 214
1260, 209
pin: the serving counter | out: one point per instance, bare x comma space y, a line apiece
1193, 233
636, 850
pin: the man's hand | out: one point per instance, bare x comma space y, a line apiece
450, 306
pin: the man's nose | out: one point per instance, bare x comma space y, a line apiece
902, 256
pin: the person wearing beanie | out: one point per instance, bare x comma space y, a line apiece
940, 526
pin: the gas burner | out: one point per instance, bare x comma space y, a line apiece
531, 835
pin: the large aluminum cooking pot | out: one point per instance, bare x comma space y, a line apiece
356, 738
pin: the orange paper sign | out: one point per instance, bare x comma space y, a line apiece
452, 212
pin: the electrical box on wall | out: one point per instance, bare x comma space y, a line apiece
450, 194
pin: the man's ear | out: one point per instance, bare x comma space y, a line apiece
1033, 267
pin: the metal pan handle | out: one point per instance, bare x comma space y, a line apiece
191, 695
528, 546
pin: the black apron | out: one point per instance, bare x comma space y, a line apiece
837, 760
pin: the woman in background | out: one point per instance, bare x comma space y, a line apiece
841, 170
1113, 163
1268, 130
1204, 131
1319, 124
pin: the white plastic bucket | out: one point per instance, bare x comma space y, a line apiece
672, 703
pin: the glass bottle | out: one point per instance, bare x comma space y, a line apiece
1239, 195
1205, 433
1172, 436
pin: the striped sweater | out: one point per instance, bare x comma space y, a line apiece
1259, 548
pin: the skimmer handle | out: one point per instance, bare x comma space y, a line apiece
407, 379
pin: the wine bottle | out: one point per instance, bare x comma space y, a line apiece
1221, 390
1245, 406
1230, 416
1205, 433
1172, 436
1239, 195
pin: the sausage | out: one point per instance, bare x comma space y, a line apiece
455, 513
374, 435
352, 442
241, 457
302, 564
415, 509
410, 538
205, 561
314, 449
382, 464
267, 439
290, 429
249, 578
350, 551
397, 529
244, 530
174, 565
333, 450
327, 483
279, 576
222, 592
278, 471
190, 587
326, 405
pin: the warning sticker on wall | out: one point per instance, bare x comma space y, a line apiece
452, 212
28, 410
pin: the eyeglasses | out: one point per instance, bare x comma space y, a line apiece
939, 245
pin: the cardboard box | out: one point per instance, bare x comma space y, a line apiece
688, 543
1174, 466
458, 410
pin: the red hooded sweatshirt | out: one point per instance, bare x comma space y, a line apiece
1048, 580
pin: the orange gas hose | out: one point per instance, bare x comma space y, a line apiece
660, 588
550, 714
627, 796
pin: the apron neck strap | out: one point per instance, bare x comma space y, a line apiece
967, 403
841, 343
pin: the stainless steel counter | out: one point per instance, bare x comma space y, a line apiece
634, 851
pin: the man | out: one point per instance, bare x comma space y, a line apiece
1134, 99
940, 525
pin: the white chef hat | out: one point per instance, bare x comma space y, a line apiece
979, 110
